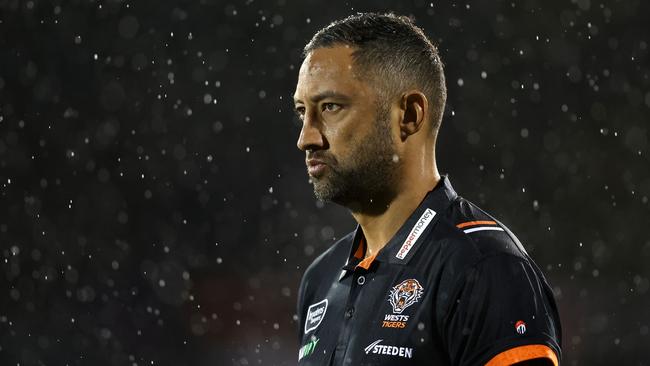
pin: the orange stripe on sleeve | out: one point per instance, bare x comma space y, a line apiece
474, 223
523, 353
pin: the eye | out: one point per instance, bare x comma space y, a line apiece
331, 107
300, 111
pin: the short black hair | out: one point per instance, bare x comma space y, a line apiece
392, 52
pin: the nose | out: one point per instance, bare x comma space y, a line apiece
311, 137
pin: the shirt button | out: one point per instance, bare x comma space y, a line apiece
349, 312
361, 280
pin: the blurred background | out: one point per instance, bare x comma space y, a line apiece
154, 208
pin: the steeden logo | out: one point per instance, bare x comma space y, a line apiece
415, 233
380, 349
315, 315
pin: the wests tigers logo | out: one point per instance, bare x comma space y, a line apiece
405, 294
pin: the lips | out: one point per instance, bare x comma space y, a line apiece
315, 167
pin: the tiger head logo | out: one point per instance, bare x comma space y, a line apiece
405, 294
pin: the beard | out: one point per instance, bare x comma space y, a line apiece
367, 179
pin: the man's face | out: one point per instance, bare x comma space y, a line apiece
346, 130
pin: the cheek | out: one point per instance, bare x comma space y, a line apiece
343, 135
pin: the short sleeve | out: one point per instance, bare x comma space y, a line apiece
503, 313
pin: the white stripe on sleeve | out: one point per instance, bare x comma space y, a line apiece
482, 228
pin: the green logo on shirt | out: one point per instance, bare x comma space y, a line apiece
308, 348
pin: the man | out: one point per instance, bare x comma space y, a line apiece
427, 278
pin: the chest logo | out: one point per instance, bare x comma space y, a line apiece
405, 294
315, 315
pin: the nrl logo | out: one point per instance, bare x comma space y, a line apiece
405, 294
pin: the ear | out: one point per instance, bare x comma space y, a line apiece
414, 105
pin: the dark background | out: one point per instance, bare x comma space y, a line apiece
154, 208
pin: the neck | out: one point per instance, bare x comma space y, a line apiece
381, 219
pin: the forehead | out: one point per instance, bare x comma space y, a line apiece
328, 69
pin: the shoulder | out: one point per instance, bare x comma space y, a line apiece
326, 266
470, 239
334, 255
474, 235
478, 248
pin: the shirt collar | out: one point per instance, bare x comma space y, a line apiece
403, 245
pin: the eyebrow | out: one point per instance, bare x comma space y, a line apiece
323, 95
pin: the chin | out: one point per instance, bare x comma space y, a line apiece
325, 192
323, 196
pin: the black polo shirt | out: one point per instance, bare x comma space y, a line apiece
453, 287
